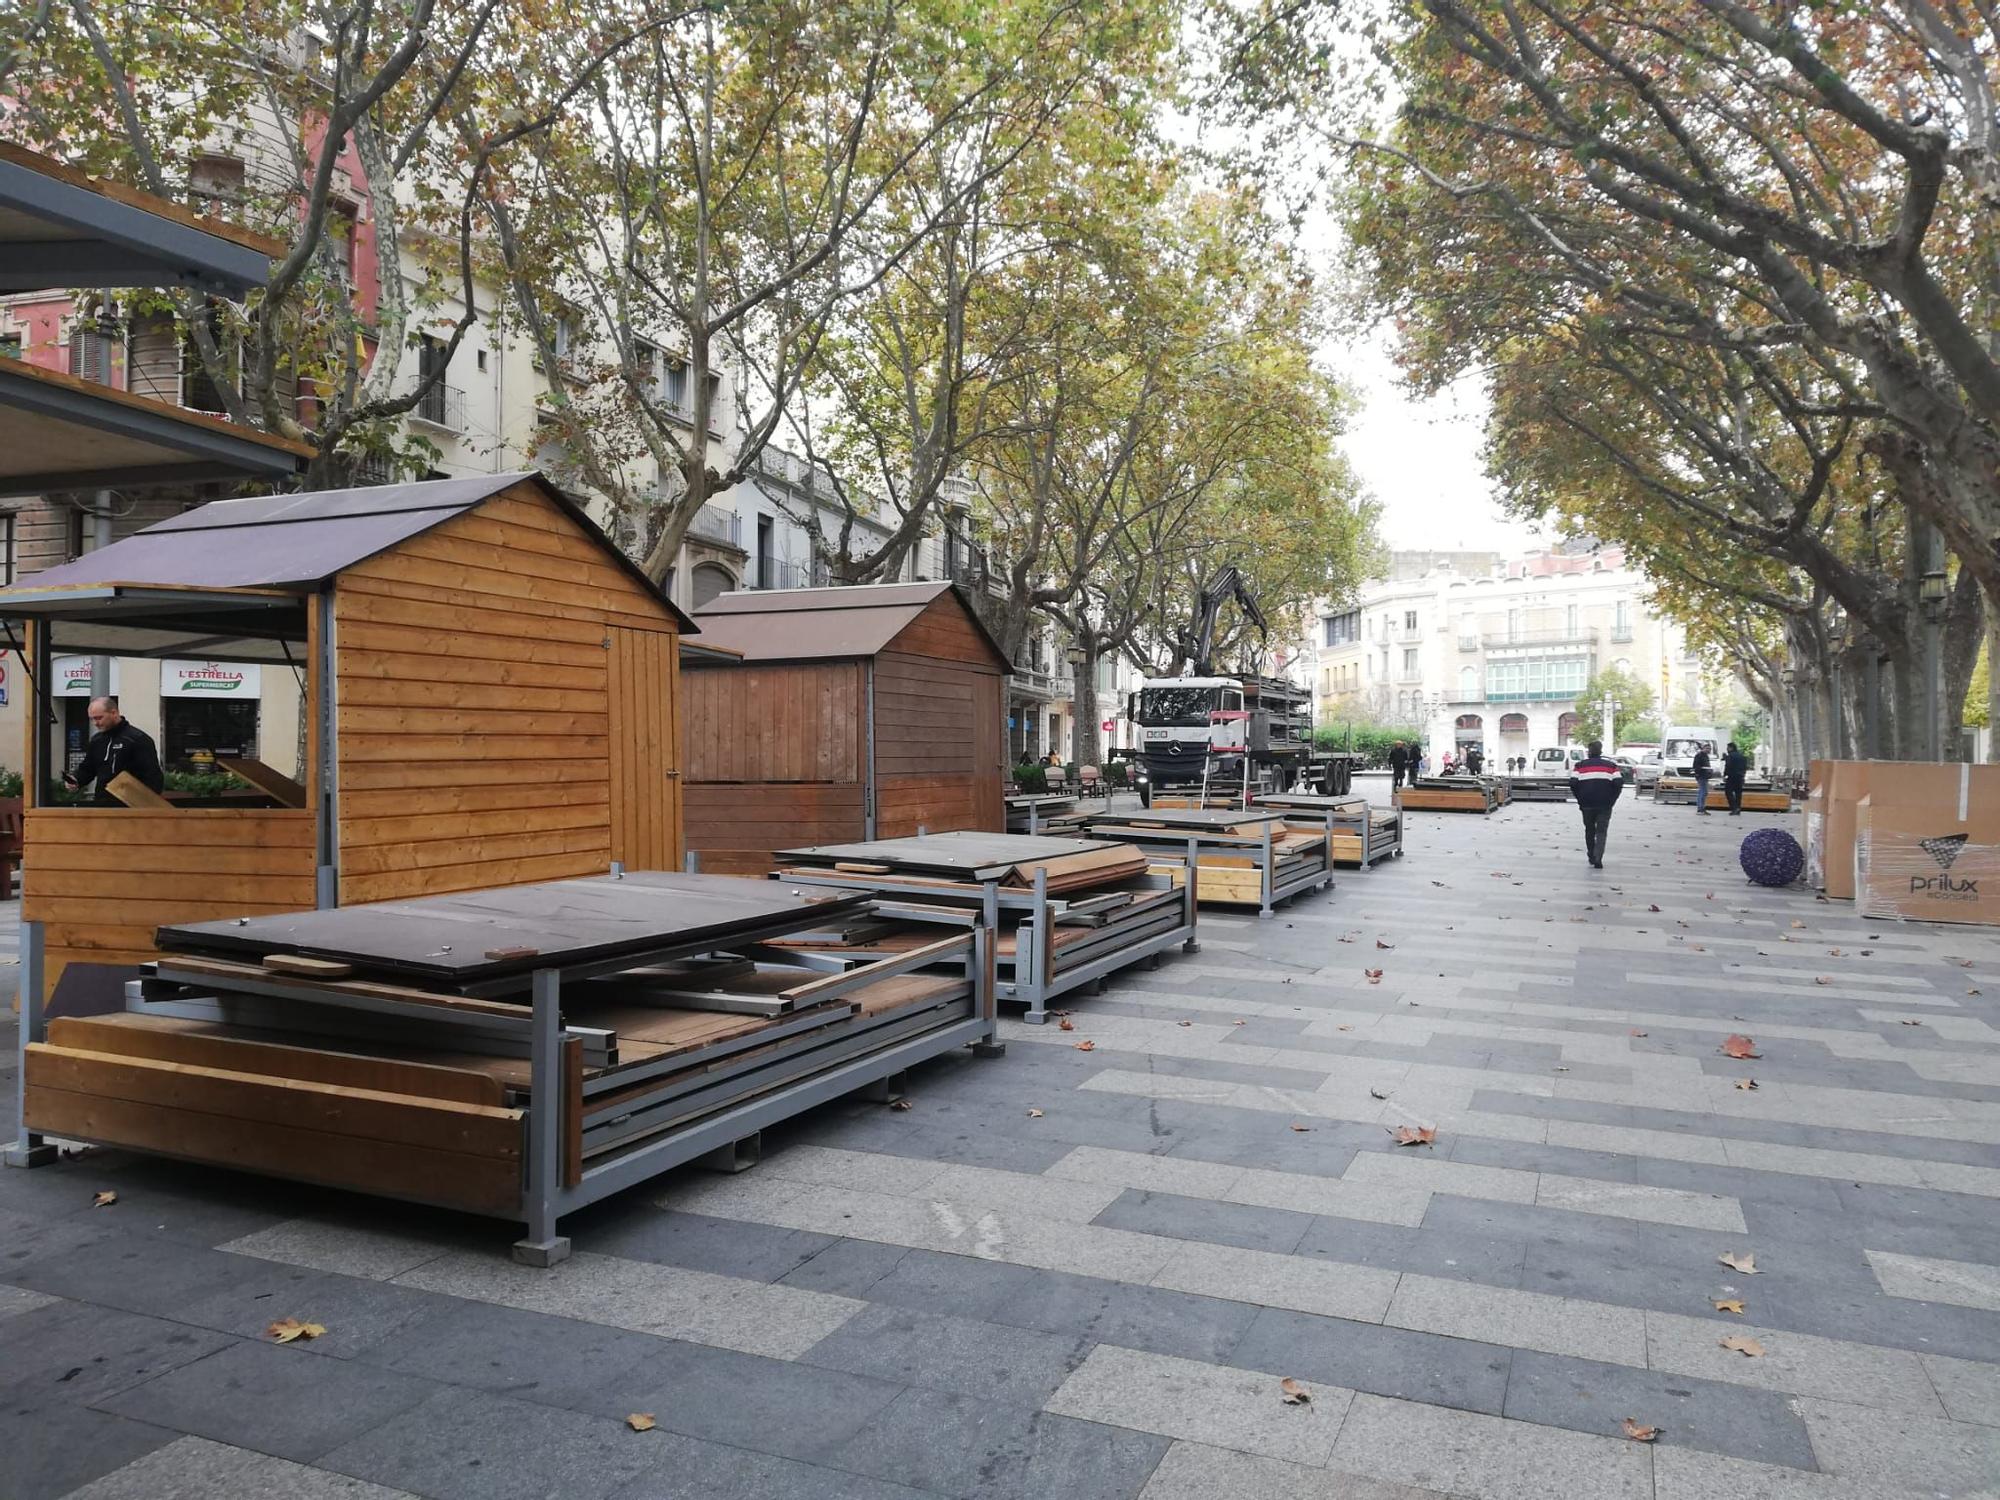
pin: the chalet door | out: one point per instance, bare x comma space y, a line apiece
643, 678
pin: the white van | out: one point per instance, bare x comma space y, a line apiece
1554, 761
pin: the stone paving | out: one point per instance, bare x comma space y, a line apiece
1076, 1273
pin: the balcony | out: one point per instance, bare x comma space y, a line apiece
713, 524
441, 406
1539, 695
1031, 682
1540, 638
796, 473
1621, 635
780, 573
1468, 643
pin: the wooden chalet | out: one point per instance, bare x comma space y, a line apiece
845, 714
490, 691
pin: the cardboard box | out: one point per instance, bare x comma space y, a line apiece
1812, 823
1846, 783
1927, 844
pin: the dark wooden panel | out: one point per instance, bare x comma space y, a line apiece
946, 632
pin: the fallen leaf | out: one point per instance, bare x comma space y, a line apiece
1638, 1433
641, 1421
1746, 1083
1652, 908
1822, 979
1034, 1114
1734, 1045
1294, 1393
1374, 975
1380, 944
1187, 1023
1240, 1023
1344, 940
1728, 1305
1744, 1345
901, 1104
104, 1199
1066, 1024
1415, 1135
1635, 1033
1302, 1129
1086, 1046
1834, 953
1797, 923
1913, 1023
1377, 1094
1343, 1028
288, 1330
1744, 1261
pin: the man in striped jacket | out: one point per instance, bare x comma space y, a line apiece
1596, 783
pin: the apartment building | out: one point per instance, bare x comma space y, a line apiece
1476, 649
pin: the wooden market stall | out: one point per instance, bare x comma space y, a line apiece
490, 691
845, 714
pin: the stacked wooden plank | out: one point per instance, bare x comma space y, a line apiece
1255, 857
1479, 794
518, 1052
1361, 834
1066, 911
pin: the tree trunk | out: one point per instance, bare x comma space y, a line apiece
1084, 749
1993, 680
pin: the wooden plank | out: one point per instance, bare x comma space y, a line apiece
163, 859
110, 885
274, 784
133, 792
418, 747
376, 603
484, 588
90, 911
234, 828
361, 833
425, 854
386, 692
223, 971
369, 669
260, 1099
363, 805
390, 775
171, 1040
374, 647
396, 884
422, 721
477, 1184
298, 965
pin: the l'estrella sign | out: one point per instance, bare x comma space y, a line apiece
209, 679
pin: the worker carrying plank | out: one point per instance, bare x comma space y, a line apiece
119, 746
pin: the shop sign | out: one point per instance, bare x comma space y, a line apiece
209, 679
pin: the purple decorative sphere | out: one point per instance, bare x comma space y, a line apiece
1771, 856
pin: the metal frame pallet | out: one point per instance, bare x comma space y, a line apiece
1538, 788
715, 1110
1272, 887
1046, 972
1351, 816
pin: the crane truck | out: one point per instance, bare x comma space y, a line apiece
1216, 736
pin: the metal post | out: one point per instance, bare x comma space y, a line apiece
1193, 943
542, 1246
1045, 943
692, 862
1264, 912
326, 804
29, 1149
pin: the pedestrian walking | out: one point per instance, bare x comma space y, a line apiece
118, 746
1735, 766
1702, 773
1595, 783
1475, 761
1399, 762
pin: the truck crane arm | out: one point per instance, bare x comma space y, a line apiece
1224, 586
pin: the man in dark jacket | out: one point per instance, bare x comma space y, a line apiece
118, 746
1735, 766
1399, 761
1595, 783
1475, 760
1702, 775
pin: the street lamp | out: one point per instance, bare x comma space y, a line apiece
1077, 706
1932, 591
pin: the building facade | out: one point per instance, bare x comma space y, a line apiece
1473, 649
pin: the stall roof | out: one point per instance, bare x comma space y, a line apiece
217, 579
61, 433
818, 624
60, 228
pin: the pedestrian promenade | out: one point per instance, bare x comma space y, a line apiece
1099, 1267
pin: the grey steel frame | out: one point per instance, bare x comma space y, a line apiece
1038, 975
545, 1198
1271, 890
1355, 817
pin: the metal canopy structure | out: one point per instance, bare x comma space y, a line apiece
61, 433
59, 228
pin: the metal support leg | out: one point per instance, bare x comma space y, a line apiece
543, 1246
1193, 943
986, 956
693, 862
29, 1149
884, 1090
1264, 912
737, 1156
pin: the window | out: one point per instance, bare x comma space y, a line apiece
90, 350
1537, 677
198, 391
6, 549
434, 362
1468, 682
1410, 661
1409, 622
1624, 617
1570, 620
10, 346
710, 580
766, 564
196, 731
481, 356
215, 185
1513, 624
1341, 629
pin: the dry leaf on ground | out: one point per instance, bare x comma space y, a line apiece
1728, 1305
902, 1104
1374, 975
641, 1421
1913, 1023
1415, 1135
1294, 1393
1297, 1126
104, 1199
1635, 1033
1651, 907
1380, 944
1377, 1094
1640, 1433
1066, 1024
1744, 1345
289, 1330
1744, 1261
1086, 1046
1797, 923
1034, 1114
1746, 1083
1187, 1023
1822, 979
1241, 1023
1735, 1045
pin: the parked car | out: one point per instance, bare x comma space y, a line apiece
1628, 768
1647, 773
